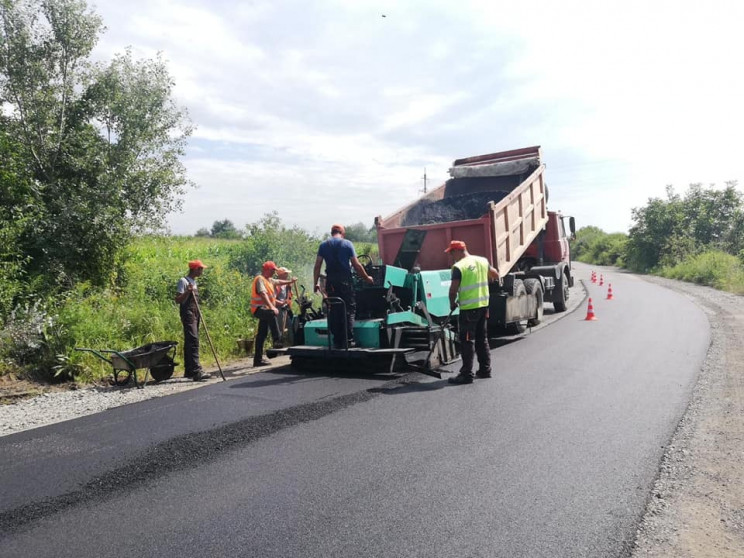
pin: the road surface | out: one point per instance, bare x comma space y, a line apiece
554, 456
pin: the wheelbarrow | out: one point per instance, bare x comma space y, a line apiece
157, 358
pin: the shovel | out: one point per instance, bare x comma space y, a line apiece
198, 309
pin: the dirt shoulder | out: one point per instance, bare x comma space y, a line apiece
696, 508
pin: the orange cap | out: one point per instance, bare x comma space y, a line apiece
338, 228
196, 264
456, 245
269, 266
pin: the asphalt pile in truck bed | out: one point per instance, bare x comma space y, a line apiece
455, 208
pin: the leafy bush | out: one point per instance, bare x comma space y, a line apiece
714, 268
594, 246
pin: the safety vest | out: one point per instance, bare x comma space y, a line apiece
288, 290
256, 299
473, 291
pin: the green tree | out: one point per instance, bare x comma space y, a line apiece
224, 229
593, 245
358, 232
269, 239
654, 225
667, 232
101, 142
17, 214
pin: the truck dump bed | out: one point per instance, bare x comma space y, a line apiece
495, 203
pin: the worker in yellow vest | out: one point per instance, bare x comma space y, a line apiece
469, 290
264, 307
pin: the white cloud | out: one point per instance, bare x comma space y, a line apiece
327, 111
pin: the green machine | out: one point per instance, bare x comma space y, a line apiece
402, 322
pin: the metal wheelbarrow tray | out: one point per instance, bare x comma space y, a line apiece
157, 358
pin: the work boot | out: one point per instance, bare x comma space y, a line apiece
483, 374
461, 379
201, 377
262, 362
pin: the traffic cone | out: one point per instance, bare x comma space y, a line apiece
590, 312
601, 280
594, 276
609, 292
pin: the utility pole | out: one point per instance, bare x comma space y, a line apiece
424, 178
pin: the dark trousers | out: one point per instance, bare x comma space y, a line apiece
473, 328
338, 322
190, 321
266, 322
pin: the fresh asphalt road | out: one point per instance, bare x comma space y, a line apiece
555, 456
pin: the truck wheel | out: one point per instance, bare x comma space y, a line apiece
534, 287
561, 293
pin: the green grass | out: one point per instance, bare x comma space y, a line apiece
714, 268
140, 309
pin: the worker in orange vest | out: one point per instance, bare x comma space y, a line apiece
264, 308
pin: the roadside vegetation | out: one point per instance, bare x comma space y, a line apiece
698, 237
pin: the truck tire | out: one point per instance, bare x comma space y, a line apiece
560, 296
515, 328
534, 287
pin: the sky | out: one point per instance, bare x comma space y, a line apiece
332, 111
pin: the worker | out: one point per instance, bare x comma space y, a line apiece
187, 297
283, 293
264, 308
339, 256
470, 277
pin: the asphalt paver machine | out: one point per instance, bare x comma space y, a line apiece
403, 321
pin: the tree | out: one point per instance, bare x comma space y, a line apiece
224, 229
655, 224
666, 232
269, 239
101, 142
17, 213
358, 232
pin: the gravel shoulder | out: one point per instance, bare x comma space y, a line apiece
24, 405
696, 508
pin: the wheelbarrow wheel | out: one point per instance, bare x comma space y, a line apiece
163, 370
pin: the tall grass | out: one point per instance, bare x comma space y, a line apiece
139, 307
714, 268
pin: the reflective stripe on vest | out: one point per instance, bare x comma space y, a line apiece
256, 299
473, 292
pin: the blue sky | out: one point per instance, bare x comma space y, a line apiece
326, 111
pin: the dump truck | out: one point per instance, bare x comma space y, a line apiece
497, 204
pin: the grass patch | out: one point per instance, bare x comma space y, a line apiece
714, 268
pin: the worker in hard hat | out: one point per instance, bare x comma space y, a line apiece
187, 295
264, 308
469, 291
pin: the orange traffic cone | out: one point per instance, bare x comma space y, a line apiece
590, 312
609, 292
601, 280
594, 276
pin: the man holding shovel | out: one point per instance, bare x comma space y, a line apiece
187, 299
